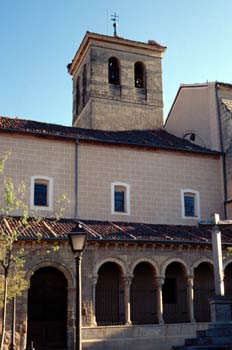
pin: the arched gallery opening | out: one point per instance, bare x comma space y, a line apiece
143, 295
47, 309
175, 305
203, 290
228, 279
109, 295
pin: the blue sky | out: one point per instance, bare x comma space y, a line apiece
39, 38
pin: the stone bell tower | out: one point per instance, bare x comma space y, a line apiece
117, 84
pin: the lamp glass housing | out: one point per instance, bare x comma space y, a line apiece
77, 240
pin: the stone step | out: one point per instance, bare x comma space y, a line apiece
219, 331
203, 347
204, 340
210, 347
201, 333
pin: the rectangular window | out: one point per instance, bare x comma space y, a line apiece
41, 194
189, 204
190, 201
119, 201
120, 198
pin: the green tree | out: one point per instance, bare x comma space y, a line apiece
13, 279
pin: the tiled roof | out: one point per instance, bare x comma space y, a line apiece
158, 138
112, 231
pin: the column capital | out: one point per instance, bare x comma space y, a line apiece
127, 279
189, 279
94, 280
160, 280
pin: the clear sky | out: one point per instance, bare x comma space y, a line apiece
38, 38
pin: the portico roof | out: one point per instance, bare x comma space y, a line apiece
105, 231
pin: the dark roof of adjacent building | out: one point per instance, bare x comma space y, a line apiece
158, 138
105, 231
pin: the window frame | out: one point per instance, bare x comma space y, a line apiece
196, 196
49, 182
126, 198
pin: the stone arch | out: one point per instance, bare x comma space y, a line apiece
174, 291
109, 259
145, 260
47, 306
228, 276
203, 288
227, 262
200, 261
174, 260
109, 293
143, 292
70, 277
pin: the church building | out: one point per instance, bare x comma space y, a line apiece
138, 190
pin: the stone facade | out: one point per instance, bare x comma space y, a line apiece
123, 106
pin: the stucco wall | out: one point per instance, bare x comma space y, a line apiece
155, 178
195, 110
33, 156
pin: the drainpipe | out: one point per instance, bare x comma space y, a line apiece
222, 150
76, 179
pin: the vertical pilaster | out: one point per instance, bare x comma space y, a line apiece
94, 283
159, 285
190, 298
127, 283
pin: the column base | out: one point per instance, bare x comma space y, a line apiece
221, 310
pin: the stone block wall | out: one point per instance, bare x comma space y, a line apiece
120, 107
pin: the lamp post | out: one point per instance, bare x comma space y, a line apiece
77, 239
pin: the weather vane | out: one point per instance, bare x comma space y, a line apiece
115, 19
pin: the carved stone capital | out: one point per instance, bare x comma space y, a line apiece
159, 281
189, 279
127, 280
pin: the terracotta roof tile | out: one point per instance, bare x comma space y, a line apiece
112, 231
158, 138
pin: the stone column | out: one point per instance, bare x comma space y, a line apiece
217, 258
126, 284
159, 305
190, 298
94, 283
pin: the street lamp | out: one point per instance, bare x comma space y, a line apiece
77, 239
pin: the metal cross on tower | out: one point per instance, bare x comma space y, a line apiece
115, 19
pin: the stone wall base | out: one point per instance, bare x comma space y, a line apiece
148, 337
